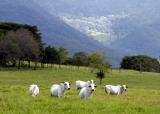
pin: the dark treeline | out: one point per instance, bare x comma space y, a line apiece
23, 43
54, 55
141, 63
19, 43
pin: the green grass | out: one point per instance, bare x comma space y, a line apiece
143, 96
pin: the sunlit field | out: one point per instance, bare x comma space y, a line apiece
143, 95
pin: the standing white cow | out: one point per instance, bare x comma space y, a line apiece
58, 90
33, 90
117, 90
87, 91
80, 84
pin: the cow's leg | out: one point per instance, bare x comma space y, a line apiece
59, 95
108, 92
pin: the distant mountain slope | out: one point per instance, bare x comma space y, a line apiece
100, 28
140, 40
137, 33
55, 31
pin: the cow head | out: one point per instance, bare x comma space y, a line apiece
124, 87
67, 85
92, 86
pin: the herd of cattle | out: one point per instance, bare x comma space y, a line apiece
86, 89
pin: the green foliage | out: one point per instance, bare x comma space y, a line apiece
19, 42
63, 55
19, 45
10, 26
2, 34
140, 63
100, 75
50, 55
81, 59
96, 60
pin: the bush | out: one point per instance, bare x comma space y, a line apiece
140, 63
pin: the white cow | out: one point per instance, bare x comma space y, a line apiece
80, 84
33, 90
87, 91
117, 90
58, 90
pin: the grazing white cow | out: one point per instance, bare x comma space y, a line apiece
117, 90
33, 90
80, 84
58, 90
87, 91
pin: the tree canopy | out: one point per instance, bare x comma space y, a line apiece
50, 55
96, 60
141, 63
19, 42
63, 55
81, 59
19, 45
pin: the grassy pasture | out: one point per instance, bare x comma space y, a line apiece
143, 96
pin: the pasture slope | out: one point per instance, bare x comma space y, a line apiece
143, 96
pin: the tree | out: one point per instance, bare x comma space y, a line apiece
81, 59
50, 55
9, 48
62, 55
69, 61
19, 45
32, 32
28, 45
5, 27
100, 75
102, 70
96, 60
140, 63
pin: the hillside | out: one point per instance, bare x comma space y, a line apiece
130, 27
